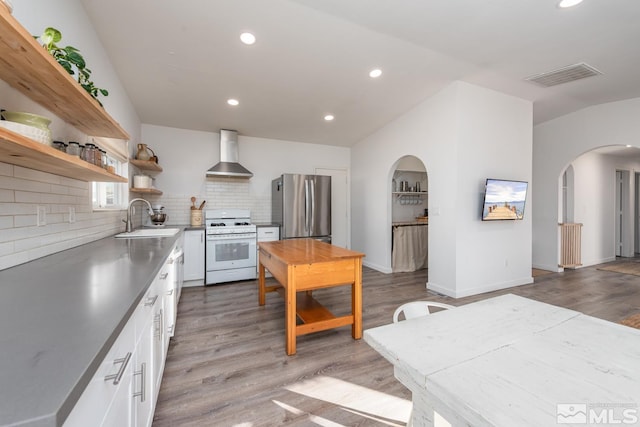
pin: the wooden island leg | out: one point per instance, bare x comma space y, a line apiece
261, 290
356, 300
290, 311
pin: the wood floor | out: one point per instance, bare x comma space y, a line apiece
227, 365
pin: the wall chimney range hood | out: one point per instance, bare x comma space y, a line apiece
228, 165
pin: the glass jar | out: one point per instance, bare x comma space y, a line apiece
103, 157
97, 159
73, 148
60, 145
89, 153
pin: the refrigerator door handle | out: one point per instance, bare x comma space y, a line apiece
307, 206
312, 217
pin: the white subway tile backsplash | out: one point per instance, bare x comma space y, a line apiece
17, 208
24, 220
6, 169
6, 248
220, 193
11, 183
34, 175
6, 221
7, 196
59, 189
22, 190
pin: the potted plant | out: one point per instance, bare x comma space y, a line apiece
69, 57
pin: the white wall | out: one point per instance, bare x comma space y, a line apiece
21, 189
495, 138
594, 206
559, 142
70, 18
462, 135
423, 132
186, 155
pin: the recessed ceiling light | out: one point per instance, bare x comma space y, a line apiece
375, 73
628, 146
568, 3
233, 102
247, 38
329, 117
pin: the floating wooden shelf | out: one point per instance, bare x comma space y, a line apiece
22, 151
409, 193
147, 165
30, 69
146, 191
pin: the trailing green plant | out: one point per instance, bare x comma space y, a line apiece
70, 58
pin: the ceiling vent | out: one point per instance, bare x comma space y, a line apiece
566, 74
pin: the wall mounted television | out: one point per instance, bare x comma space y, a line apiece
504, 200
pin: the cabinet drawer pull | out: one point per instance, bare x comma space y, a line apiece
143, 380
151, 301
170, 292
118, 375
159, 325
164, 276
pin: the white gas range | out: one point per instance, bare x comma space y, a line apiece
231, 245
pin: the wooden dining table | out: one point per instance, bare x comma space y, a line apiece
512, 361
301, 266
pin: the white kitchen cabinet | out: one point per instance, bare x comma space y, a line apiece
143, 393
265, 233
194, 244
172, 290
157, 345
124, 389
167, 280
111, 383
143, 384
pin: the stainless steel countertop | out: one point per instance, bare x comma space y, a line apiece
60, 315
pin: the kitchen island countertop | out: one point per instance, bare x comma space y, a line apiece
60, 316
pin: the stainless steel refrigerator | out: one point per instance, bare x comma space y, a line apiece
301, 205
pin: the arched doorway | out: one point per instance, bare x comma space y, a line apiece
598, 190
409, 215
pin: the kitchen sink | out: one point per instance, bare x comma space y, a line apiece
148, 233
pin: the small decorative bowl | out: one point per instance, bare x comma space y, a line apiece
31, 132
27, 119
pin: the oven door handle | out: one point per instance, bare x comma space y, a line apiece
249, 237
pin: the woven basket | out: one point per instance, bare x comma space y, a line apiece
633, 321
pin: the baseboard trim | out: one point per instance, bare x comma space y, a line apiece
481, 290
553, 268
380, 268
192, 283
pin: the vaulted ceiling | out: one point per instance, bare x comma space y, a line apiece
180, 61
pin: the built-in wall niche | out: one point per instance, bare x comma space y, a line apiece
409, 190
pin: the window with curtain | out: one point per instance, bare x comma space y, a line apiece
112, 195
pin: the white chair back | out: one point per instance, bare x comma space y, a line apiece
415, 309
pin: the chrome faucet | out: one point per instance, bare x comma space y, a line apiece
128, 220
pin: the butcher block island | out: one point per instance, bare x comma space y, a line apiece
305, 265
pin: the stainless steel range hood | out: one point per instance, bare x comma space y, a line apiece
228, 165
